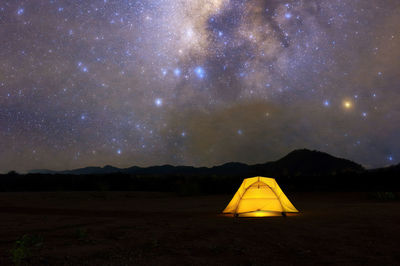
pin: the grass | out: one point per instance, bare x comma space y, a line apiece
81, 234
22, 249
384, 196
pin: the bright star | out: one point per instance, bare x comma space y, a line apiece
158, 102
177, 72
200, 72
20, 11
347, 104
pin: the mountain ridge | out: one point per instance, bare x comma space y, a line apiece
303, 161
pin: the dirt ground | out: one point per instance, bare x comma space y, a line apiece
142, 228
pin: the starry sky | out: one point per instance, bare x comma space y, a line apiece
201, 83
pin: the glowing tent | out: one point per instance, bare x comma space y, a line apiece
259, 197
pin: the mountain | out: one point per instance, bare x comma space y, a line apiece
397, 167
298, 162
389, 170
306, 162
300, 170
42, 171
92, 171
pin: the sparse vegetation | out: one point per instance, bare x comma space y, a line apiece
384, 196
81, 234
155, 243
161, 228
23, 246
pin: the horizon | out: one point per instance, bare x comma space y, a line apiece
198, 83
180, 165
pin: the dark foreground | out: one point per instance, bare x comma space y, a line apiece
128, 228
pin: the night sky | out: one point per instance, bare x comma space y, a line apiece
201, 83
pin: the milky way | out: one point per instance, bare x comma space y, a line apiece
197, 82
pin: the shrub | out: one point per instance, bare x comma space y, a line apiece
384, 196
22, 247
81, 234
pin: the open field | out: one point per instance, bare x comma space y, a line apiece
128, 228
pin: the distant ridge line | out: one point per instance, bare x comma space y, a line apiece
301, 161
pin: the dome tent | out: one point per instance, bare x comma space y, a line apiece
259, 197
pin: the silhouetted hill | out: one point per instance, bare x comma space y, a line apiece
42, 171
161, 170
300, 170
298, 162
92, 170
389, 170
306, 162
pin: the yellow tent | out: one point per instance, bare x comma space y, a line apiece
259, 197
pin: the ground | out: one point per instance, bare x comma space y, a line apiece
131, 228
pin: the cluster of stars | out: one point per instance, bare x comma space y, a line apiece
197, 82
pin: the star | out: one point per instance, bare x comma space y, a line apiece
177, 72
347, 104
20, 11
146, 76
158, 102
199, 71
